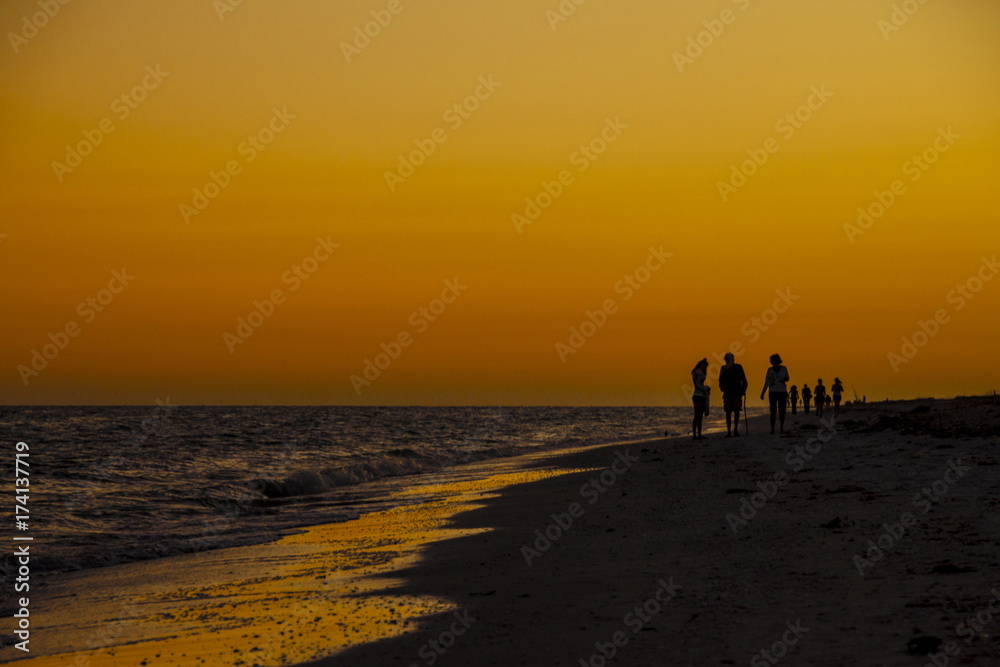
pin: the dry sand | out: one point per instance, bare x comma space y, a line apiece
447, 582
793, 563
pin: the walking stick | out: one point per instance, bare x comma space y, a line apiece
746, 426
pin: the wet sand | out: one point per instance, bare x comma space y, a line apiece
785, 582
301, 597
667, 551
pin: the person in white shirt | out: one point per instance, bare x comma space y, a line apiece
776, 384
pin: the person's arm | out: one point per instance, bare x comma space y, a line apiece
744, 385
767, 383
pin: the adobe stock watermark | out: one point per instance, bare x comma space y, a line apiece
796, 459
627, 287
714, 28
591, 491
227, 511
786, 126
753, 329
122, 107
88, 309
294, 277
420, 320
364, 34
780, 648
128, 448
223, 7
30, 25
248, 149
582, 159
562, 12
636, 619
915, 168
454, 116
928, 496
432, 651
974, 625
900, 16
957, 298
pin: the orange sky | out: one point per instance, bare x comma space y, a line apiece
608, 76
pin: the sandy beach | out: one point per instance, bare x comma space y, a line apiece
838, 543
789, 579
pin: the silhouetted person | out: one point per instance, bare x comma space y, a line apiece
700, 397
838, 391
806, 397
819, 393
775, 383
793, 397
733, 383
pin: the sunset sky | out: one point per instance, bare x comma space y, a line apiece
203, 85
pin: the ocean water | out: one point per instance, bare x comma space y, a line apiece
118, 484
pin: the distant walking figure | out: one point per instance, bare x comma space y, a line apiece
775, 383
793, 397
700, 397
838, 391
733, 383
819, 393
806, 397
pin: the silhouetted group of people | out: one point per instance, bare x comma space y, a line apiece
822, 399
733, 384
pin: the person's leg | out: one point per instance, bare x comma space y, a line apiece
736, 420
699, 410
729, 422
774, 408
782, 399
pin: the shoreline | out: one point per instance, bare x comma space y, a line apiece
659, 529
786, 582
221, 604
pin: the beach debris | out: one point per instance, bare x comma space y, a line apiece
923, 645
850, 488
947, 567
836, 523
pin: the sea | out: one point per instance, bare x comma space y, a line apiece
112, 485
